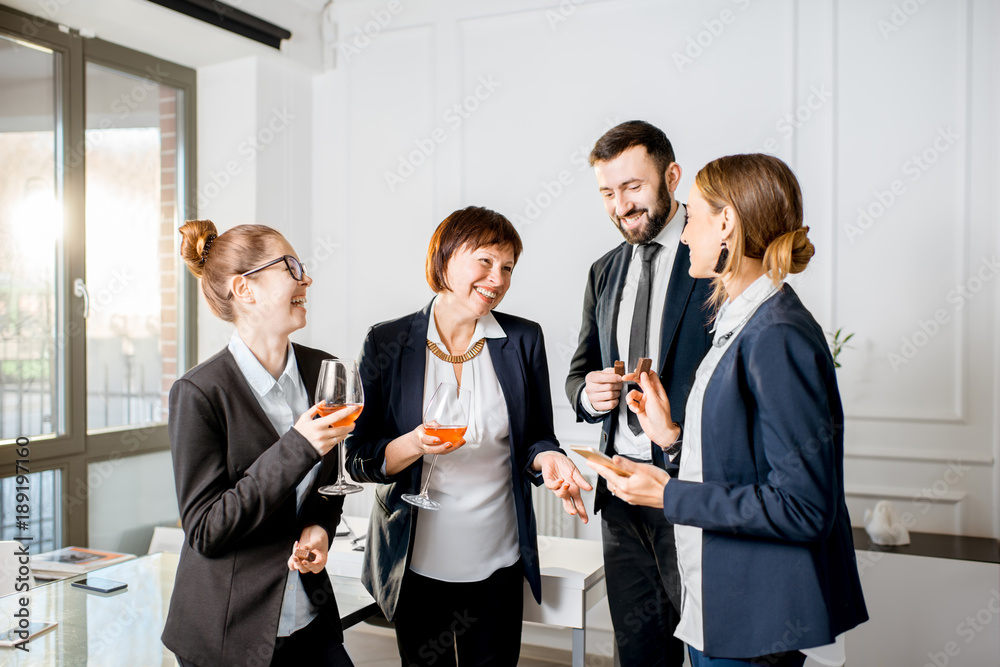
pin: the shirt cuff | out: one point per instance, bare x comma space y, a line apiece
585, 402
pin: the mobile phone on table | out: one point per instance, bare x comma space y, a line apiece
99, 585
600, 457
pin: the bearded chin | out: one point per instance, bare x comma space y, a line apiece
656, 220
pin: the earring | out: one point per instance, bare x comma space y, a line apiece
723, 258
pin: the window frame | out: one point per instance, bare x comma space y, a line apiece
74, 450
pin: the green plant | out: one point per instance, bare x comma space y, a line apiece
837, 344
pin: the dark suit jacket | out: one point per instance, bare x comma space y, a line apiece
684, 339
778, 558
236, 480
392, 370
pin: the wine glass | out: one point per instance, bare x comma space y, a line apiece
447, 418
340, 387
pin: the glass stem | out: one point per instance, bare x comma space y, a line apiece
427, 480
341, 464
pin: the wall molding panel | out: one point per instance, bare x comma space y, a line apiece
892, 131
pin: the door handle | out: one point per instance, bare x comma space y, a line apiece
80, 289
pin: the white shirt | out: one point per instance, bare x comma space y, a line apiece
626, 442
474, 534
282, 400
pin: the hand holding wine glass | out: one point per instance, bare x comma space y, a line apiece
338, 389
320, 431
446, 419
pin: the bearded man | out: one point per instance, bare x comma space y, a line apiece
640, 302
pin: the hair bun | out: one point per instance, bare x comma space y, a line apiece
788, 253
196, 240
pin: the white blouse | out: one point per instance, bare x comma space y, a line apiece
474, 534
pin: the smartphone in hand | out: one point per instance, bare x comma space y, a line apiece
592, 454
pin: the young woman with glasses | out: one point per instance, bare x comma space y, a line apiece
249, 452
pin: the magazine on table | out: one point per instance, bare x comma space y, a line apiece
76, 560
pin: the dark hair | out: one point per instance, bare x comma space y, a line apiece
631, 133
475, 227
766, 197
238, 250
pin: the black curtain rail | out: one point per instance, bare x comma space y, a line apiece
229, 18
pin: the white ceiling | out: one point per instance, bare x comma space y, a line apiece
144, 26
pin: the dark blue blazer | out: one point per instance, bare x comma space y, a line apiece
778, 563
684, 338
392, 371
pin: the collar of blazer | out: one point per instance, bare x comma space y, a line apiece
679, 288
308, 361
503, 355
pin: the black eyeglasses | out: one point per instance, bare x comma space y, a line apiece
294, 266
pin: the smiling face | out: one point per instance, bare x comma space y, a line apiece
278, 300
636, 195
478, 279
703, 234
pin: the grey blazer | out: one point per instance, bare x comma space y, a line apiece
236, 480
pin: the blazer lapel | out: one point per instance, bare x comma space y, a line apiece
412, 364
610, 301
240, 385
678, 293
309, 364
309, 370
507, 364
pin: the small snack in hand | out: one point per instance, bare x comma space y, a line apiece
643, 366
619, 368
305, 554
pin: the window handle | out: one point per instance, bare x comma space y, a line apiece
80, 289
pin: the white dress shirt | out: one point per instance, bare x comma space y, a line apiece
474, 534
626, 442
282, 400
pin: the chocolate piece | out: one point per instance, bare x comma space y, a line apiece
305, 554
619, 368
643, 366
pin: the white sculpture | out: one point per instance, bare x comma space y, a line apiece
884, 526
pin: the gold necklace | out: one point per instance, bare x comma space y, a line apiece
456, 359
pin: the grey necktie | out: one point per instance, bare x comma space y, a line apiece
638, 338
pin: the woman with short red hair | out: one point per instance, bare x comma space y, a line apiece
452, 580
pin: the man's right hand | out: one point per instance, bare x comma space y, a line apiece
603, 389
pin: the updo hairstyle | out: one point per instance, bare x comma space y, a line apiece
766, 197
215, 258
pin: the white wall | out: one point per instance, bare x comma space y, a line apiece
869, 94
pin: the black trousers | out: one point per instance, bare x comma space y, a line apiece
640, 567
479, 622
308, 646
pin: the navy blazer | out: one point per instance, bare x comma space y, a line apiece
684, 339
778, 563
392, 366
236, 479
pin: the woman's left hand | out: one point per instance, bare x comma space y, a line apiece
644, 486
564, 479
316, 541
